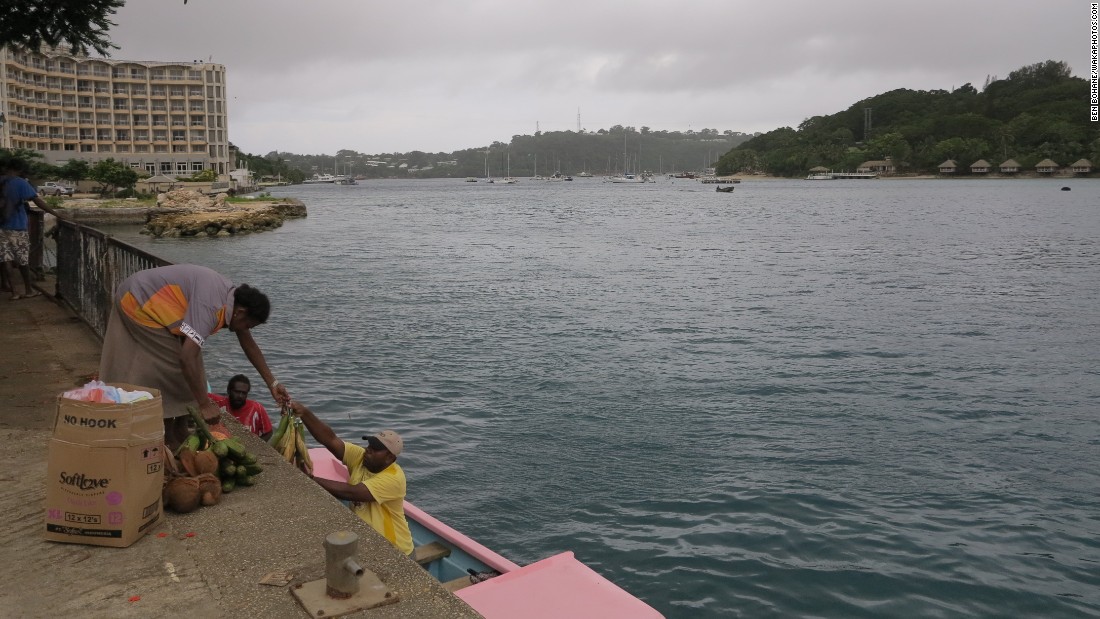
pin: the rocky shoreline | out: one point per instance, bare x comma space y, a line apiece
186, 213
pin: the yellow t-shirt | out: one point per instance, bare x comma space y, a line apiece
386, 513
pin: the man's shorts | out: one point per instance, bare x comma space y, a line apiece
15, 246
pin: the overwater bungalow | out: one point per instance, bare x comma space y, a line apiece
1046, 166
980, 166
1081, 166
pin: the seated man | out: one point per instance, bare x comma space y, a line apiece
250, 413
376, 483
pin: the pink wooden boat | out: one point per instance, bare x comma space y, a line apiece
555, 587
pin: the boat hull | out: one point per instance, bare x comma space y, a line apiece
558, 586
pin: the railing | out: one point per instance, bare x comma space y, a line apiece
90, 264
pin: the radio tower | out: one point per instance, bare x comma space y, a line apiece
578, 120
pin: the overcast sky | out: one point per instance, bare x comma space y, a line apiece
316, 76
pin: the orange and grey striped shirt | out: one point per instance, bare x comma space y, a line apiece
187, 299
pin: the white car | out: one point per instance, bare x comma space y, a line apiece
52, 188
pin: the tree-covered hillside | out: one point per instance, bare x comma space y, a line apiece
1039, 111
601, 152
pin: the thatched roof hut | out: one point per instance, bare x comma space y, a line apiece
1046, 166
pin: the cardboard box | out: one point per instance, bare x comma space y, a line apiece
105, 471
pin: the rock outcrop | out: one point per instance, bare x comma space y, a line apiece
183, 212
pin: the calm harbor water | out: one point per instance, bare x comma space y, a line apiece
802, 399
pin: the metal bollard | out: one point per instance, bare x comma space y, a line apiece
342, 572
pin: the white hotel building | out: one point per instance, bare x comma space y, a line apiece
157, 117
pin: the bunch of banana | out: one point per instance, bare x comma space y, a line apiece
235, 466
289, 440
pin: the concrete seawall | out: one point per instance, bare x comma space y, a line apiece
204, 564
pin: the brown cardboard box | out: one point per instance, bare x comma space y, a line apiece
105, 471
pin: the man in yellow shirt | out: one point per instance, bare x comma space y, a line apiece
376, 483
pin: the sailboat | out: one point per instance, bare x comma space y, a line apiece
508, 180
488, 179
536, 176
585, 173
626, 177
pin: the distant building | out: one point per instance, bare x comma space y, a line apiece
1081, 166
948, 167
980, 166
1010, 166
156, 117
242, 178
1046, 166
882, 167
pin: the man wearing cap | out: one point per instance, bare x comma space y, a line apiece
376, 483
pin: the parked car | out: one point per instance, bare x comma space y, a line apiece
52, 188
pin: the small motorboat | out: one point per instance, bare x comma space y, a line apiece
558, 586
724, 189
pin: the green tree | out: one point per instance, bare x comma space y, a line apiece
1033, 114
963, 151
75, 24
891, 145
204, 176
112, 176
74, 170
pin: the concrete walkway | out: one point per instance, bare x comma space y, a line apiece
204, 564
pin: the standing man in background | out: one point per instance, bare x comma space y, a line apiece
15, 240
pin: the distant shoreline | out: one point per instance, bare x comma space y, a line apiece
935, 177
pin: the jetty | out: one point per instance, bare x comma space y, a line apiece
829, 176
208, 563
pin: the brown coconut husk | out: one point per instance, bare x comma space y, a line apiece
205, 462
187, 462
182, 494
172, 466
210, 489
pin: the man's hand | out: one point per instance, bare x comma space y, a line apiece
279, 392
210, 412
298, 408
